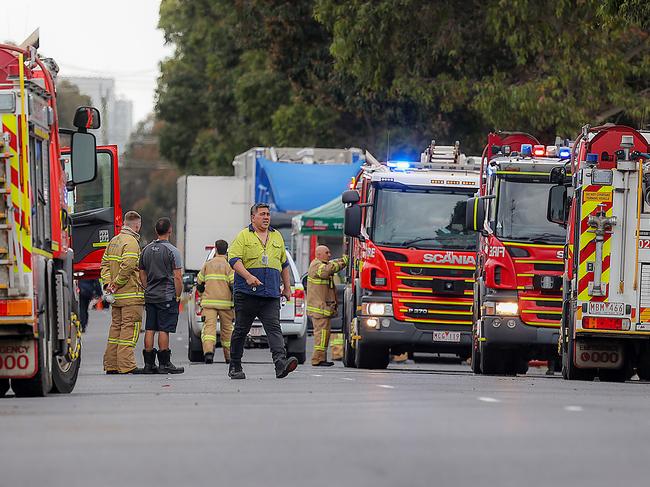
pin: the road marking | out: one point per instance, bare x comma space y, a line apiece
573, 409
385, 386
347, 378
316, 375
180, 339
488, 399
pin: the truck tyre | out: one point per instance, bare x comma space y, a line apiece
569, 370
476, 355
371, 357
4, 386
297, 347
64, 374
349, 353
194, 347
492, 360
643, 368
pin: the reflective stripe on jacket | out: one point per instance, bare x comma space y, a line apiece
218, 277
120, 267
321, 292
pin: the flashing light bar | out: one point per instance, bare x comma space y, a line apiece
526, 149
400, 165
539, 150
551, 151
564, 153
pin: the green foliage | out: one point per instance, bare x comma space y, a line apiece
389, 75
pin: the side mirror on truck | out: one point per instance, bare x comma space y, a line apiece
475, 214
83, 145
352, 225
557, 210
350, 197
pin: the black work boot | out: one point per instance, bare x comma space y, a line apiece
323, 363
149, 362
165, 364
235, 371
284, 367
209, 357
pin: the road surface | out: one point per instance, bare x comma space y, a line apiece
411, 425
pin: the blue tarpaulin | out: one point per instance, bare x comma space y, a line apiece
289, 187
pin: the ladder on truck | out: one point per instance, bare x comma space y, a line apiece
11, 252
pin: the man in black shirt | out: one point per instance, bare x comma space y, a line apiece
160, 272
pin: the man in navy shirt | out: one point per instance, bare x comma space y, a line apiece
160, 272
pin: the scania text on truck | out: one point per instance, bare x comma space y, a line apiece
40, 337
517, 293
603, 198
410, 277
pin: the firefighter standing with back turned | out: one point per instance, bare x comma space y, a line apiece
214, 282
321, 300
119, 272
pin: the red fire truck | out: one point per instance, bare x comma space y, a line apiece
40, 338
517, 293
410, 278
603, 198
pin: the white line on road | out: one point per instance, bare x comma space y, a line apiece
488, 399
347, 378
316, 375
385, 386
573, 409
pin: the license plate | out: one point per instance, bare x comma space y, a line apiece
606, 309
257, 331
446, 336
17, 358
603, 356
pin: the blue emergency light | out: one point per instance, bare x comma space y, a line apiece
401, 165
565, 153
526, 149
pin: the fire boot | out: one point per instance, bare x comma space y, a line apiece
149, 362
208, 357
165, 364
235, 371
284, 367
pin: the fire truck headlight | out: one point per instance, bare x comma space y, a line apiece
377, 309
372, 323
507, 308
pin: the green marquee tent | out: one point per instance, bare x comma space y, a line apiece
325, 220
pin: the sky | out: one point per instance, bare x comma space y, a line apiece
114, 38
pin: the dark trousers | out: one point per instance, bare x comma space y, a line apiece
84, 303
247, 308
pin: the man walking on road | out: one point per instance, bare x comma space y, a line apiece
88, 290
119, 272
259, 259
214, 282
160, 272
321, 300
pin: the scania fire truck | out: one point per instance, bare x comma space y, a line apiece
410, 277
517, 293
40, 338
603, 197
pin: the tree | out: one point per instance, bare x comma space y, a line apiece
68, 99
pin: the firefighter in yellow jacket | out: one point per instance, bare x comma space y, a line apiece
119, 272
214, 282
321, 300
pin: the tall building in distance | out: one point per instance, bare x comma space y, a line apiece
116, 112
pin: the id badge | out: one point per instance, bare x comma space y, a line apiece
265, 259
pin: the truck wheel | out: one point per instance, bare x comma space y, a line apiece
65, 370
643, 368
348, 352
519, 363
492, 360
4, 386
371, 357
476, 356
297, 347
41, 384
569, 370
195, 347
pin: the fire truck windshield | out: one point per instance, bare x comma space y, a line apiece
421, 218
521, 212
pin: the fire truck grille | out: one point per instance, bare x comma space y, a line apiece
548, 267
430, 314
540, 310
433, 272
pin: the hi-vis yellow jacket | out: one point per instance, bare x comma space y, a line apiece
321, 293
120, 266
218, 277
